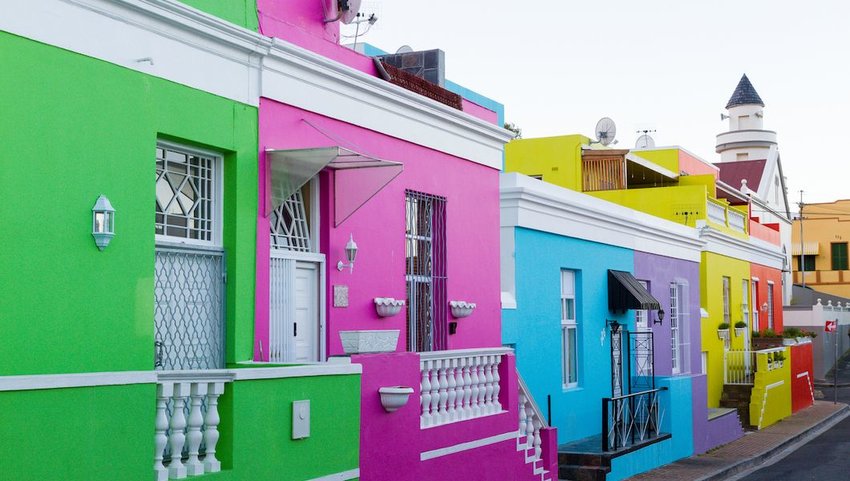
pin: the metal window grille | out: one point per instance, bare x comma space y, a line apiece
425, 250
769, 305
675, 336
282, 308
185, 184
188, 308
616, 361
290, 227
641, 360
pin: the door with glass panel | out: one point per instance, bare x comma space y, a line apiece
642, 341
296, 280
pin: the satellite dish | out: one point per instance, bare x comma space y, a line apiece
605, 131
645, 142
348, 10
404, 49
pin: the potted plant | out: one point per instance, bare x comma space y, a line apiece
723, 331
790, 335
740, 328
766, 339
778, 359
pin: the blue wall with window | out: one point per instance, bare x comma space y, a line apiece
534, 327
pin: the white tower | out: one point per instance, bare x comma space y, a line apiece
746, 138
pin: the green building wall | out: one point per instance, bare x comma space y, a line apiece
240, 12
80, 128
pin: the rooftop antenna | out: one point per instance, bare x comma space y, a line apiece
645, 141
606, 131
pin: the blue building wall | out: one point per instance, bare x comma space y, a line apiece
534, 327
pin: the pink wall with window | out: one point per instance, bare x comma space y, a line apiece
472, 230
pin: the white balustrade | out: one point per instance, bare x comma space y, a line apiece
716, 212
193, 437
459, 385
736, 220
530, 423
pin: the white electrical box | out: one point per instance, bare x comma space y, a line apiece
301, 419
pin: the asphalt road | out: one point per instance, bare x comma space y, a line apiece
824, 458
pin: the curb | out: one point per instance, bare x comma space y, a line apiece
760, 459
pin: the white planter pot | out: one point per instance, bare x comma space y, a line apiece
786, 341
387, 306
740, 331
361, 342
461, 308
394, 397
723, 334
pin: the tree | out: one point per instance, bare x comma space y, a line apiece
514, 128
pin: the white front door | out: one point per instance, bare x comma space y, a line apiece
295, 307
305, 331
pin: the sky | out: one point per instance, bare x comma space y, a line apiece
559, 66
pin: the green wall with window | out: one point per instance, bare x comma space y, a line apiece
74, 128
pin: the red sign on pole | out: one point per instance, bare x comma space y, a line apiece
831, 326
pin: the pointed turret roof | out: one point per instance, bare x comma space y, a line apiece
744, 94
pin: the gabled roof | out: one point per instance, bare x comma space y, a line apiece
744, 94
751, 170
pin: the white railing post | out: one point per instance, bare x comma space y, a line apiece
444, 391
467, 388
211, 421
473, 371
451, 412
176, 469
435, 392
425, 394
488, 385
163, 392
725, 367
497, 384
198, 391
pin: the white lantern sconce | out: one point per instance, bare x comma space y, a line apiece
103, 222
350, 254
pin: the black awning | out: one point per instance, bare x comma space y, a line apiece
625, 292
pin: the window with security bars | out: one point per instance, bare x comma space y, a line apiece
569, 329
290, 224
679, 327
839, 256
425, 253
770, 305
185, 187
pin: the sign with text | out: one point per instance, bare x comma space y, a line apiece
831, 326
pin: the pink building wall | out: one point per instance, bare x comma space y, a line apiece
695, 166
391, 443
472, 203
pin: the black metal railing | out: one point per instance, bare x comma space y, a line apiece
631, 418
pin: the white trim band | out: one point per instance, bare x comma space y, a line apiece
343, 476
457, 448
92, 379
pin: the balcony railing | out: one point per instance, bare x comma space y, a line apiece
186, 427
716, 212
459, 385
630, 419
720, 213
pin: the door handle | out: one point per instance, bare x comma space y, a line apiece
294, 329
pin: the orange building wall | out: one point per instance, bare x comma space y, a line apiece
765, 275
802, 377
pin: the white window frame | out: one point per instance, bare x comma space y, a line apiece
755, 304
745, 304
217, 198
727, 310
569, 357
771, 297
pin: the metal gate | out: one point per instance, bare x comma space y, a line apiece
188, 308
425, 250
632, 361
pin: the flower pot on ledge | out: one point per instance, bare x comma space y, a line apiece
723, 334
461, 309
394, 397
388, 306
365, 342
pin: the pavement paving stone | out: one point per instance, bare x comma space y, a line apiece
751, 449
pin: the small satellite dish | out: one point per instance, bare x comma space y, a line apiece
404, 49
645, 142
605, 131
348, 10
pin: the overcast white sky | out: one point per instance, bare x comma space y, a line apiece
560, 65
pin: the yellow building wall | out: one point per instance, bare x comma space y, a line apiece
684, 205
667, 158
557, 159
821, 225
771, 395
713, 268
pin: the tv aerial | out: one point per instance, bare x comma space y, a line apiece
645, 141
606, 130
345, 11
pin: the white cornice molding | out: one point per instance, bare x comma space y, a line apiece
295, 76
532, 204
167, 39
751, 250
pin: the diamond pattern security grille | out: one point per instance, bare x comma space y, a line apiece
184, 194
289, 225
188, 309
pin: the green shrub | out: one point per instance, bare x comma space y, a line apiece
740, 325
722, 325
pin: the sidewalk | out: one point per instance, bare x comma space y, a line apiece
752, 449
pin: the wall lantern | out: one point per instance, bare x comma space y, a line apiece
660, 317
764, 307
350, 254
103, 222
615, 326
